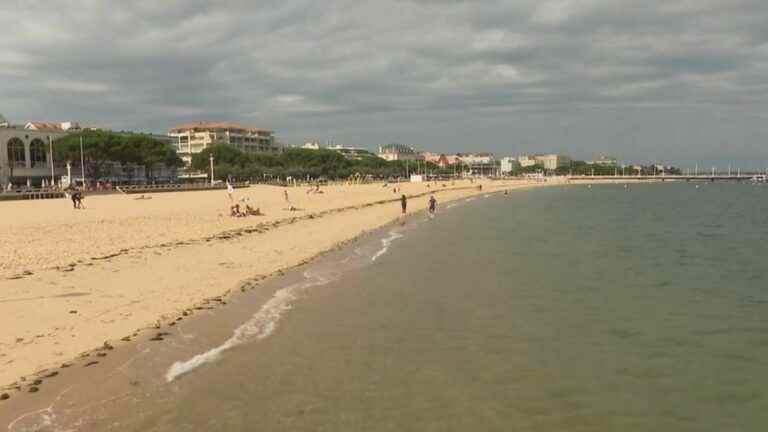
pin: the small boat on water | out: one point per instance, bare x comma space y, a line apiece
760, 178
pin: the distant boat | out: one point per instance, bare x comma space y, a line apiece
760, 178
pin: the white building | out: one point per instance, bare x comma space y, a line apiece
192, 138
604, 161
395, 151
354, 153
479, 163
25, 154
526, 161
508, 165
553, 161
546, 161
477, 159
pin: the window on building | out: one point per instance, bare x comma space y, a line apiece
16, 156
37, 153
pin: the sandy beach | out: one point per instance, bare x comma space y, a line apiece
71, 280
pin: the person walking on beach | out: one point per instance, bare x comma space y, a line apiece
432, 206
230, 191
404, 203
77, 199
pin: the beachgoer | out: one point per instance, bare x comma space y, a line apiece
404, 202
249, 211
77, 199
230, 191
432, 207
234, 211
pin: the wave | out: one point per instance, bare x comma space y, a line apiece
262, 324
385, 242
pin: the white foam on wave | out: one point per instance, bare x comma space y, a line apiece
261, 325
470, 199
385, 242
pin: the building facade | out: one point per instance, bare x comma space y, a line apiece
25, 154
527, 161
553, 161
395, 151
192, 138
546, 161
604, 161
508, 165
483, 164
352, 153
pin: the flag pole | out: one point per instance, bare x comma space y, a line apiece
82, 162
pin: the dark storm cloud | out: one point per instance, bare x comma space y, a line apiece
638, 79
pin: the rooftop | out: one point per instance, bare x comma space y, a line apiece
48, 126
202, 125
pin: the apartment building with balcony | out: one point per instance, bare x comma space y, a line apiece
396, 151
192, 138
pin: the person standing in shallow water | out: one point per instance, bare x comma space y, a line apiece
404, 202
432, 206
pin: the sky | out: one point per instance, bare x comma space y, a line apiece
678, 82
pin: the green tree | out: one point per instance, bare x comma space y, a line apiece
102, 148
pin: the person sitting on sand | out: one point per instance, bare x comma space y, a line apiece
234, 211
249, 211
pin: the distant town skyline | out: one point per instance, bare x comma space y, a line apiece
680, 82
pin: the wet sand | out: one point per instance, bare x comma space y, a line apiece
138, 266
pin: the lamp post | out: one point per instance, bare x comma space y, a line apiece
69, 173
210, 158
82, 163
50, 148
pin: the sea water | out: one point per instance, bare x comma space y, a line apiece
611, 308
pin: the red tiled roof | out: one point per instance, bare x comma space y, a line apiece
215, 125
46, 126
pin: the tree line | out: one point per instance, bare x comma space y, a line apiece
103, 148
231, 162
582, 168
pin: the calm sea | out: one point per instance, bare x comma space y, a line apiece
559, 309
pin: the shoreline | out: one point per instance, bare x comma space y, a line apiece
133, 267
111, 377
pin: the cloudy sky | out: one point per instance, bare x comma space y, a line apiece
682, 82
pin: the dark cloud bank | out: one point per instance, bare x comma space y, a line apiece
675, 81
